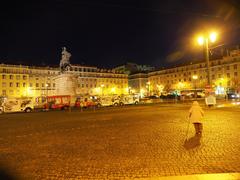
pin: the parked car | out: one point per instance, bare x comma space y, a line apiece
170, 96
108, 101
233, 96
86, 101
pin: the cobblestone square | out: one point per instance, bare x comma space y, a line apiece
119, 143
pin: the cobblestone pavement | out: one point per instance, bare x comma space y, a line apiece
118, 143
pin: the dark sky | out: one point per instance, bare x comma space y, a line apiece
106, 33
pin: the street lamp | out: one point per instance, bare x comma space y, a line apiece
204, 40
195, 77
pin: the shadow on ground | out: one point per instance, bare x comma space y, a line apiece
192, 142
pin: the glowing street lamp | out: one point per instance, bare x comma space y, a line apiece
204, 40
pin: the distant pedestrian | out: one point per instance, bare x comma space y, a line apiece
195, 116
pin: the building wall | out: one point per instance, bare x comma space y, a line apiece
19, 81
138, 83
224, 73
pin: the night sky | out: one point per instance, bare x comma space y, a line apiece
107, 33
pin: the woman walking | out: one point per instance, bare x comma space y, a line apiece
195, 116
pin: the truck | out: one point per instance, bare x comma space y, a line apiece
9, 105
57, 102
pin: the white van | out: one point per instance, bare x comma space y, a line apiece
129, 99
17, 105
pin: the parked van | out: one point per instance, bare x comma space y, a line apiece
129, 99
17, 105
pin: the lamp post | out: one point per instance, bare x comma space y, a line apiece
204, 40
195, 77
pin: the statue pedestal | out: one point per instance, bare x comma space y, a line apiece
66, 84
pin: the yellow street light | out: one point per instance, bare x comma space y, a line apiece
213, 36
195, 77
113, 90
200, 40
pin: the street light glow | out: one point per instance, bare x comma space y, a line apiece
195, 77
200, 40
213, 36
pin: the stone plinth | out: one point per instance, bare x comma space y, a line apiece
66, 84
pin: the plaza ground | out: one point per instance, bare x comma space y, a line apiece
119, 143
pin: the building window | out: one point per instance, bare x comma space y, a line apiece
4, 92
4, 84
37, 85
18, 77
24, 84
82, 85
10, 84
235, 66
228, 75
11, 77
228, 83
213, 76
3, 76
24, 77
235, 73
53, 84
17, 85
227, 67
30, 84
43, 85
11, 92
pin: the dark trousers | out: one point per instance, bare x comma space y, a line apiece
198, 128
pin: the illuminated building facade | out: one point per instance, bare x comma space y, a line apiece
225, 75
21, 81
